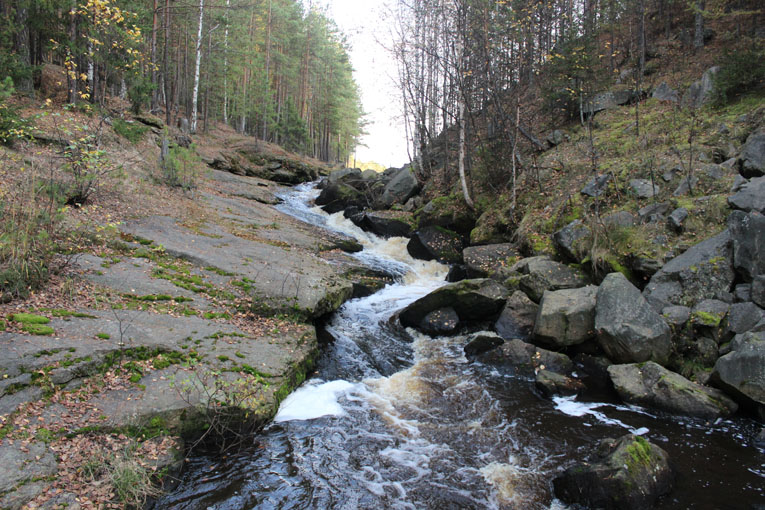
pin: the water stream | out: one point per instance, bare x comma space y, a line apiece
404, 421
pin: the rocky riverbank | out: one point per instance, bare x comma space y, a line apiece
171, 329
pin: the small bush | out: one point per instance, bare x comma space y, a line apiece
180, 167
133, 131
740, 71
12, 126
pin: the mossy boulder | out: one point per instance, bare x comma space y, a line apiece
651, 385
337, 196
741, 373
490, 260
449, 212
471, 299
628, 473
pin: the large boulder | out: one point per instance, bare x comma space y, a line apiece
651, 385
523, 358
627, 328
402, 186
742, 317
643, 188
747, 233
449, 213
490, 259
752, 158
628, 473
338, 175
568, 240
665, 93
607, 100
437, 243
566, 317
541, 274
471, 299
337, 196
381, 226
596, 185
703, 272
517, 318
750, 196
741, 373
700, 92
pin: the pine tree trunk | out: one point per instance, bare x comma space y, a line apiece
25, 84
698, 36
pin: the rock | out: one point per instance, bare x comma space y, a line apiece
670, 174
337, 196
451, 214
401, 188
596, 186
747, 232
457, 272
471, 299
651, 385
567, 239
703, 272
490, 259
541, 274
17, 499
750, 197
625, 474
337, 175
686, 185
443, 321
606, 100
642, 266
627, 328
676, 316
369, 175
644, 188
550, 383
714, 172
594, 366
517, 318
738, 183
707, 317
620, 219
751, 162
651, 213
481, 342
742, 292
556, 137
700, 92
150, 120
518, 356
22, 463
758, 290
676, 218
566, 317
184, 126
665, 93
381, 225
435, 243
741, 373
742, 317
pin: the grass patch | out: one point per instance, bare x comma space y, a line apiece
132, 131
38, 329
103, 336
29, 318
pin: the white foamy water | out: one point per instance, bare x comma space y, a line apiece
314, 400
569, 406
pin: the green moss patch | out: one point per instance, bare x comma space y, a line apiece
38, 329
29, 318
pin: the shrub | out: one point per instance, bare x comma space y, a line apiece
12, 126
740, 71
133, 131
180, 167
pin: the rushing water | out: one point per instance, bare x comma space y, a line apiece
404, 421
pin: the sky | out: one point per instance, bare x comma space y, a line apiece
363, 22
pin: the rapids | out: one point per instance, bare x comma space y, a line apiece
404, 421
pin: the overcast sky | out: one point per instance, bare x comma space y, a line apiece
375, 70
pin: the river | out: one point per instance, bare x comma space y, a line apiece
400, 420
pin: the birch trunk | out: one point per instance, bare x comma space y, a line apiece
195, 93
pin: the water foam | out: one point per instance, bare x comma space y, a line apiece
314, 400
569, 406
